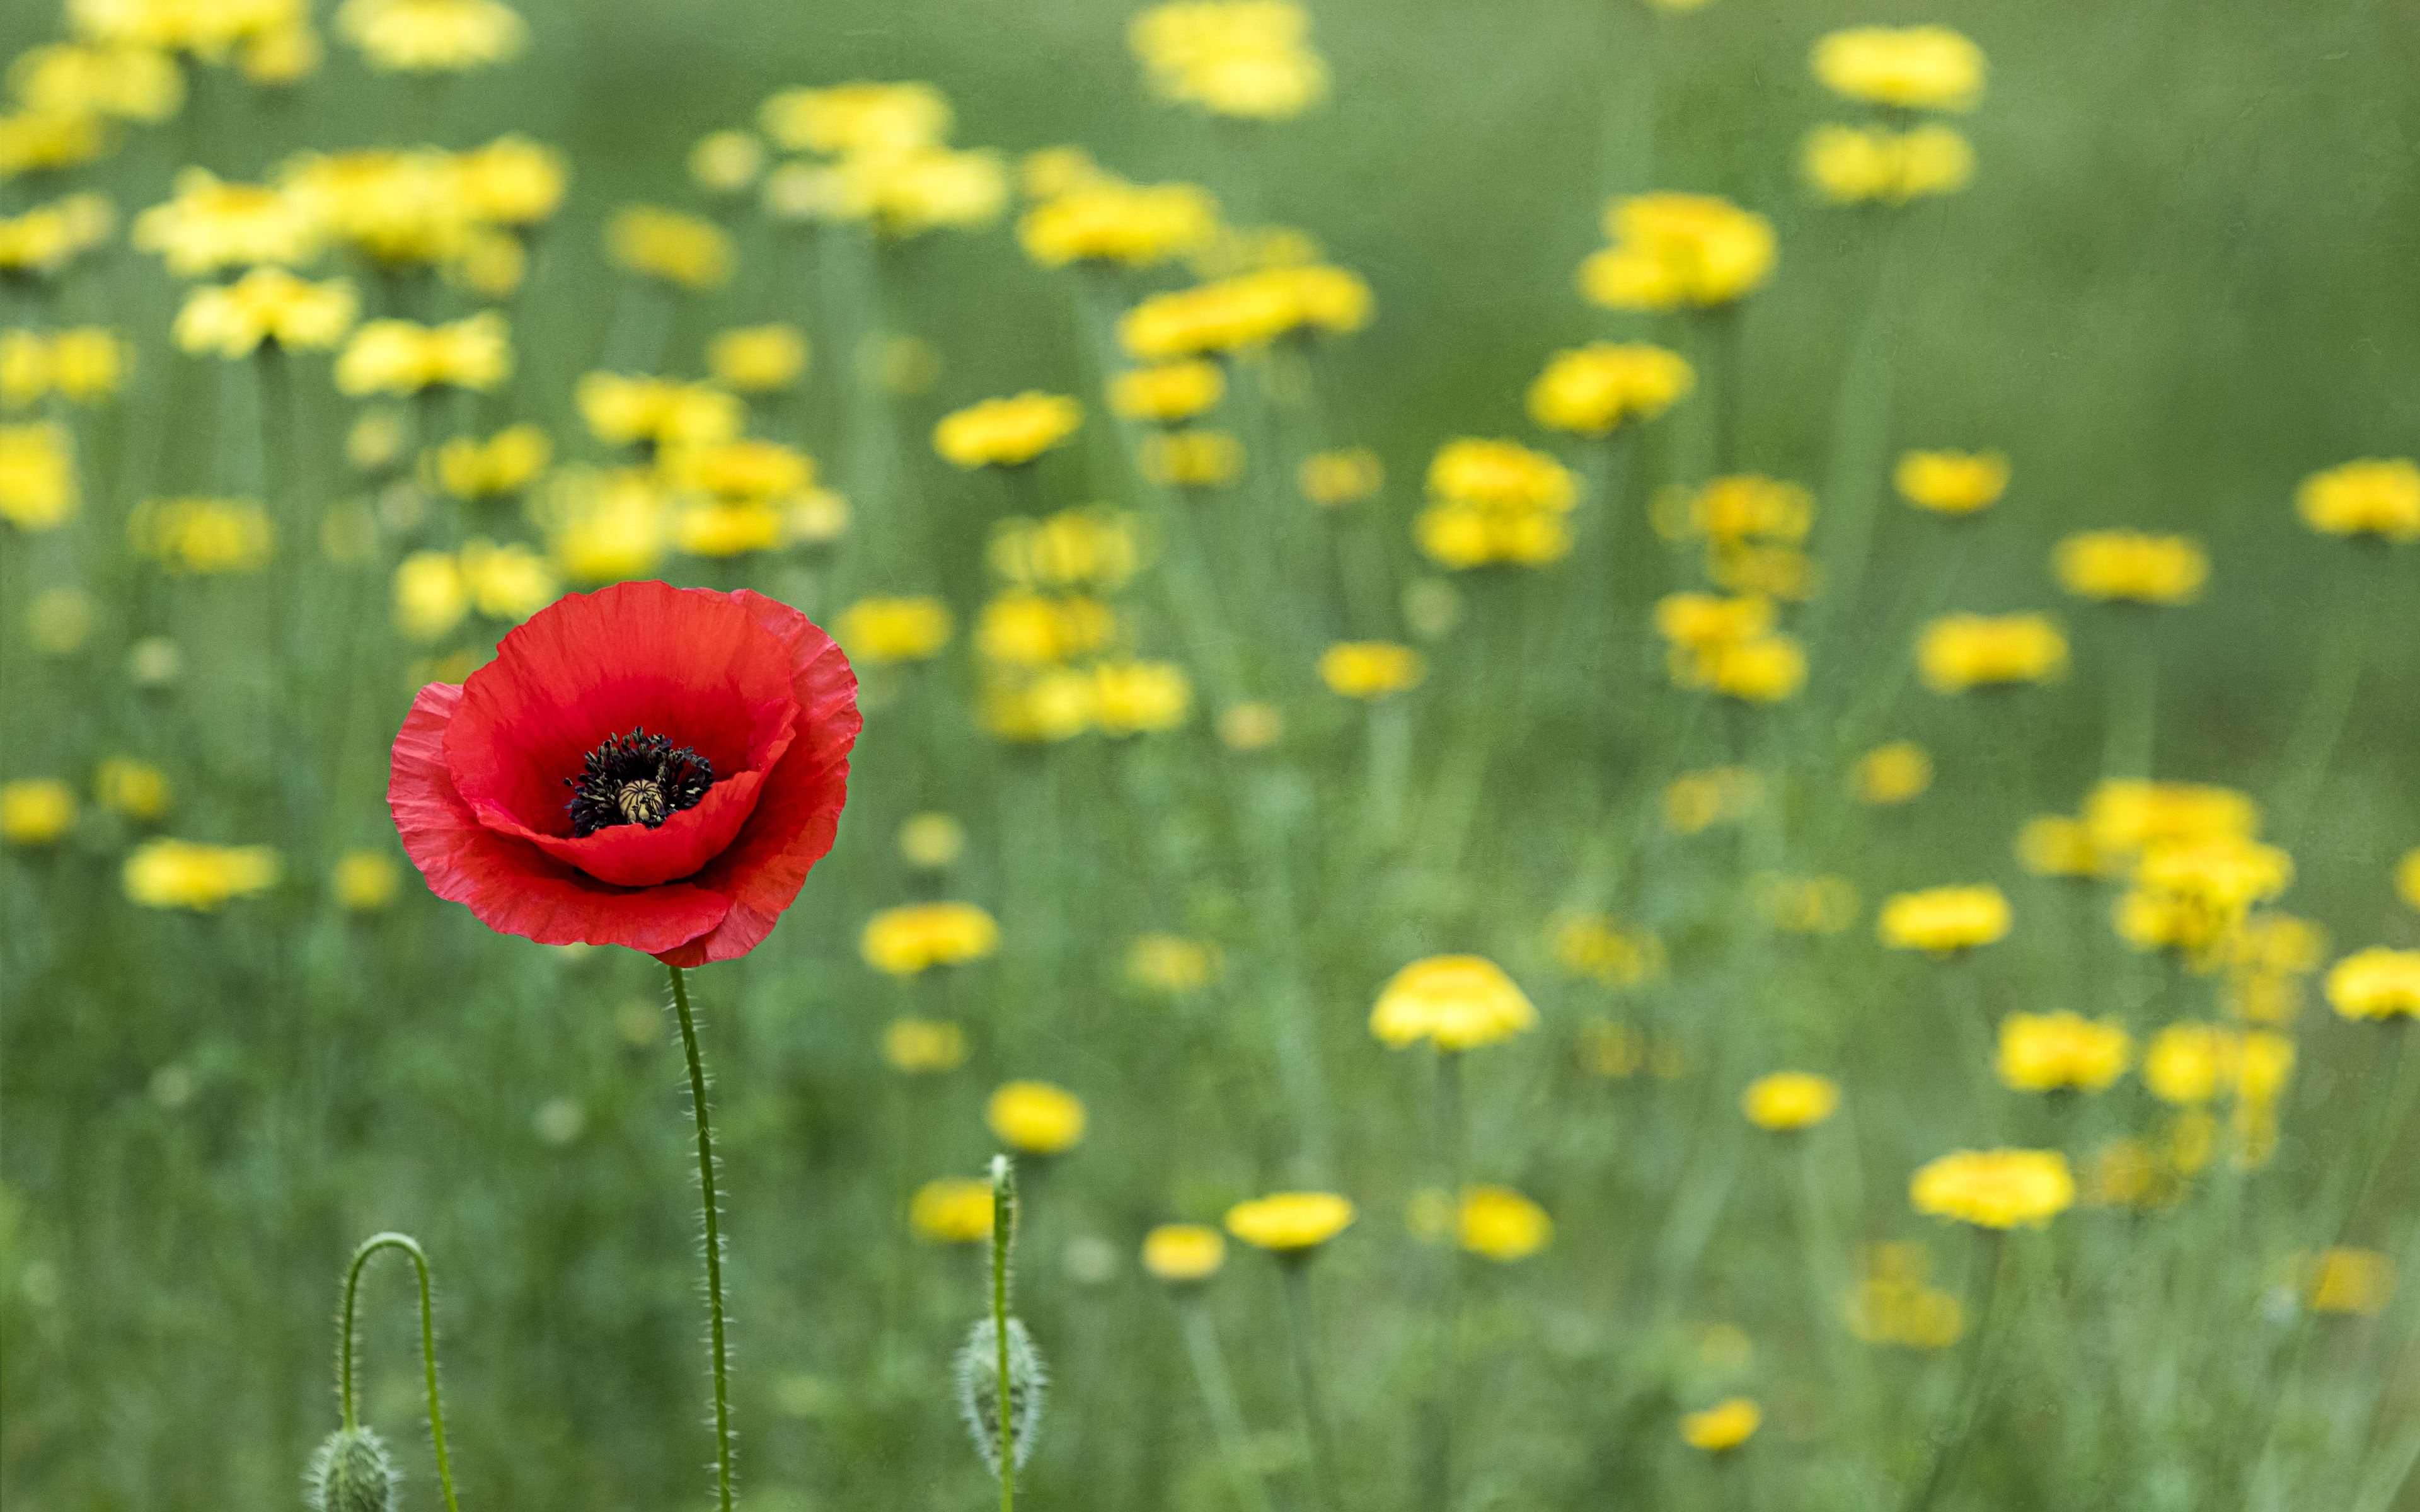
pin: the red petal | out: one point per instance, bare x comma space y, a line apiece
510, 884
688, 664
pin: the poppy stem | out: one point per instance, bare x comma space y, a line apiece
428, 1349
1296, 1273
713, 1237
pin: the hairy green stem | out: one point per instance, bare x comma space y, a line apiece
1004, 1237
713, 1237
411, 1246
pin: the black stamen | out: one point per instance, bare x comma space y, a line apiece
636, 778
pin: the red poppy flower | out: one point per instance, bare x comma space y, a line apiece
644, 765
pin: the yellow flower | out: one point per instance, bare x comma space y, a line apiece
131, 81
1789, 1100
726, 162
1616, 954
1334, 479
1944, 921
2191, 894
1456, 1002
1290, 1223
904, 941
1035, 1118
1007, 432
1183, 1254
1245, 310
36, 811
2375, 495
431, 598
1893, 1304
83, 366
883, 630
1055, 705
176, 874
1995, 1188
1503, 476
925, 189
921, 1047
1898, 771
512, 182
1766, 670
1139, 696
623, 409
2055, 845
2051, 1052
287, 55
2359, 1282
757, 358
39, 487
2375, 984
2407, 877
431, 36
210, 224
685, 250
1912, 67
134, 788
508, 581
1371, 669
931, 842
1697, 801
1247, 59
505, 463
1192, 458
951, 1209
2130, 567
201, 537
714, 528
1951, 482
1700, 625
1958, 652
1169, 392
1251, 725
1859, 165
266, 307
1590, 389
1095, 545
1823, 905
1025, 630
1107, 221
1173, 964
1501, 1224
364, 882
854, 119
1671, 250
402, 357
2127, 816
1722, 1427
2189, 1063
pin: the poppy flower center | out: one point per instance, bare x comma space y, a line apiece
636, 778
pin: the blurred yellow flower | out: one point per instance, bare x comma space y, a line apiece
60, 619
2127, 816
2377, 497
1823, 905
210, 225
1722, 1427
1035, 1118
2190, 1063
131, 82
1290, 1223
266, 307
924, 1047
1895, 771
1192, 458
2055, 845
1168, 392
365, 881
1249, 726
1951, 482
507, 581
401, 357
136, 789
176, 874
764, 358
82, 365
906, 940
39, 486
1785, 1101
1183, 1254
1697, 801
1456, 1002
1331, 480
1244, 310
1909, 68
1171, 964
36, 811
2054, 1052
1501, 1224
2375, 984
2130, 566
1139, 696
287, 56
505, 463
1765, 669
1027, 629
1671, 250
511, 181
687, 251
1944, 921
856, 120
2407, 877
431, 598
1995, 1188
726, 528
1615, 954
45, 239
931, 842
1591, 389
1106, 220
1007, 432
2359, 1282
606, 527
201, 537
1862, 166
727, 161
1095, 546
951, 1209
1894, 1304
433, 35
1371, 669
2191, 894
876, 631
1958, 651
1247, 59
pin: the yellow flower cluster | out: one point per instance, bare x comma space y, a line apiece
2375, 497
1672, 250
1096, 547
1895, 1303
1192, 458
2192, 895
1494, 503
1944, 921
1455, 1002
431, 36
1596, 945
2130, 567
633, 409
1251, 59
1753, 527
202, 538
1499, 1224
1895, 772
1168, 393
1958, 651
1334, 479
1728, 647
916, 937
46, 240
1877, 165
176, 874
2062, 1051
763, 359
503, 464
36, 811
1245, 310
951, 1209
435, 590
890, 162
82, 365
1595, 389
403, 357
1099, 218
1995, 1188
266, 307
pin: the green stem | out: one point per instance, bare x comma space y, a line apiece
1297, 1270
713, 1237
1449, 1319
1988, 1330
1217, 1389
1860, 441
428, 1349
2325, 713
1003, 1235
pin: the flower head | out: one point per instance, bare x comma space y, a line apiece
433, 35
1951, 482
1183, 1254
2379, 497
176, 874
39, 486
687, 251
2128, 567
1247, 59
1944, 921
1035, 1118
1591, 389
1995, 1188
36, 811
1371, 669
2052, 1051
951, 1209
921, 1047
2375, 984
365, 881
883, 630
1290, 1223
642, 765
1671, 250
1895, 772
915, 937
1958, 651
1501, 1224
1722, 1427
1007, 432
1789, 1100
1912, 67
764, 358
1875, 166
1456, 1002
266, 307
404, 357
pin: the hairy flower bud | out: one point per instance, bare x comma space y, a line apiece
351, 1473
978, 1382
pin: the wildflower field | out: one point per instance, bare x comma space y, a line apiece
1229, 756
